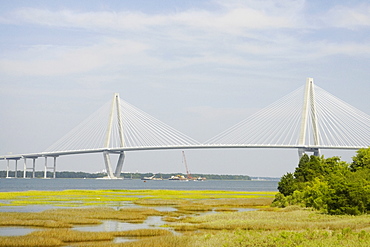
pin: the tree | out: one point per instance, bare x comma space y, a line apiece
308, 168
361, 160
287, 184
329, 185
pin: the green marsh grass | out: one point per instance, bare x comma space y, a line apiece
226, 226
68, 235
62, 237
139, 233
113, 197
273, 220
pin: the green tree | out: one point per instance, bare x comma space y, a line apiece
287, 184
329, 185
361, 160
350, 193
308, 168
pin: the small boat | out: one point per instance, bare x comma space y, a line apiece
178, 177
148, 178
152, 178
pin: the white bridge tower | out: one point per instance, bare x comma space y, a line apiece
115, 108
309, 112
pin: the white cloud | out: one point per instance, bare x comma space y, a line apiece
348, 17
59, 60
239, 34
99, 20
230, 17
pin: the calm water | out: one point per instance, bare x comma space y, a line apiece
135, 184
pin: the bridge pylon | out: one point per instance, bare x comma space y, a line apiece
309, 112
115, 110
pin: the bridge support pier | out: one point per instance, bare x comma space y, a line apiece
302, 151
54, 167
7, 168
119, 166
108, 165
46, 167
16, 169
24, 167
33, 167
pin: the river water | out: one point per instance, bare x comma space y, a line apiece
20, 184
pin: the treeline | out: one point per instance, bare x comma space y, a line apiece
168, 175
62, 174
329, 185
69, 174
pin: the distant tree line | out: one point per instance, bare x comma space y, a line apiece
69, 174
168, 175
329, 185
61, 174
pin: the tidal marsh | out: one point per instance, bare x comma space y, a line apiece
200, 218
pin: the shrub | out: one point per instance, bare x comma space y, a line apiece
329, 185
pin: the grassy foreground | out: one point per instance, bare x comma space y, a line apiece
202, 218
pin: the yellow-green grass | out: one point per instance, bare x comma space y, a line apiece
62, 237
37, 241
67, 218
139, 233
116, 197
162, 241
68, 235
304, 238
267, 226
272, 221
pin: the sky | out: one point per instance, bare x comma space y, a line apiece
199, 66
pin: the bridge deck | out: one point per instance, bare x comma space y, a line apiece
200, 146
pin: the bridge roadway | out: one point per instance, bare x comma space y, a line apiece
200, 146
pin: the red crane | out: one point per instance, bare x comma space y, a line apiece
186, 166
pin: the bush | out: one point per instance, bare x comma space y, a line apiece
329, 185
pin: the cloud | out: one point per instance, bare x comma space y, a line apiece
98, 20
238, 34
211, 114
51, 60
348, 17
229, 17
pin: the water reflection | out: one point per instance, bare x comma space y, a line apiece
112, 225
27, 208
15, 231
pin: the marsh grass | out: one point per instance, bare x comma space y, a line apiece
272, 221
68, 217
225, 210
191, 208
304, 238
68, 235
139, 233
31, 219
61, 237
114, 197
160, 202
129, 215
162, 241
291, 226
20, 241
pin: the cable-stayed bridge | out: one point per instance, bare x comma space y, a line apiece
308, 119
